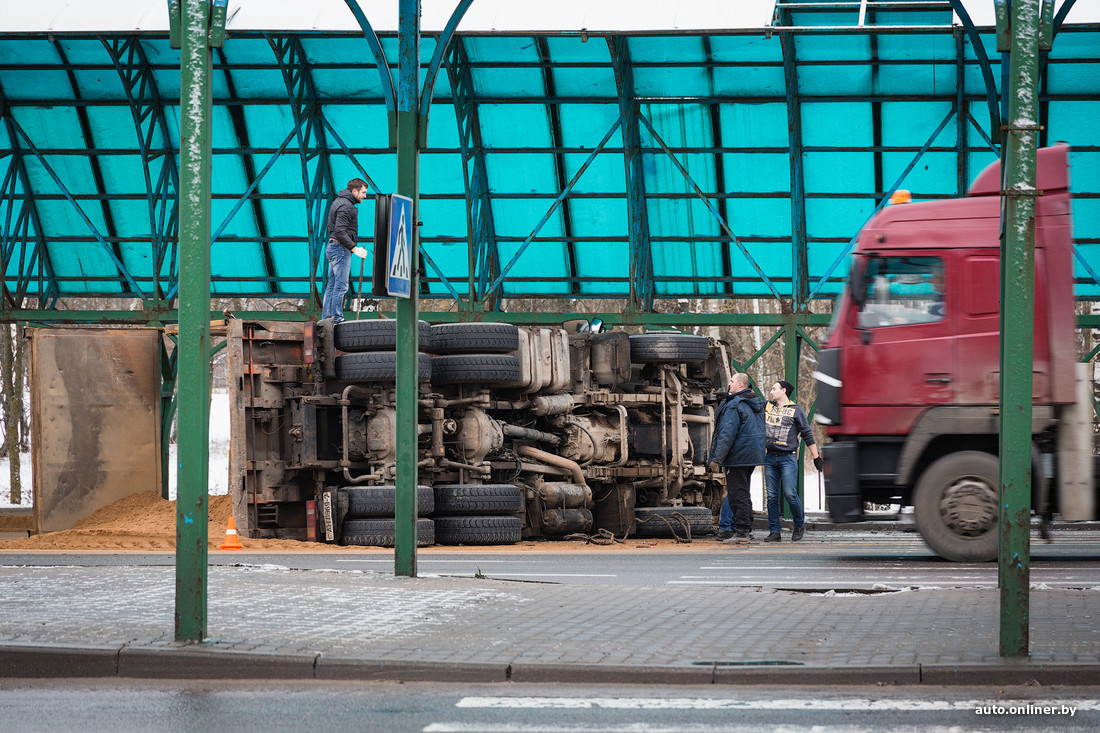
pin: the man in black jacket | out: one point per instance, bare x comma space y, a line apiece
738, 446
343, 241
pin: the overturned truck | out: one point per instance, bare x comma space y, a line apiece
523, 432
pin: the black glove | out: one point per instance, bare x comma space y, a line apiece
819, 463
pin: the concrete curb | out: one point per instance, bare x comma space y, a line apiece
194, 663
33, 660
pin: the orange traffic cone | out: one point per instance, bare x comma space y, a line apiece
231, 541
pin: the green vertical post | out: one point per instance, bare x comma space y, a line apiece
408, 184
1017, 316
193, 381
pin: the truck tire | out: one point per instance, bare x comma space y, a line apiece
478, 530
379, 501
481, 499
956, 506
379, 532
377, 334
662, 521
668, 348
475, 369
377, 366
474, 338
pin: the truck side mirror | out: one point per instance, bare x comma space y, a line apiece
857, 283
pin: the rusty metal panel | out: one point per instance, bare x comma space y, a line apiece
263, 357
95, 411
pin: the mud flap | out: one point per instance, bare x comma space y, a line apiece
325, 350
842, 482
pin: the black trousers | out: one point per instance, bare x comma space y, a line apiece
737, 489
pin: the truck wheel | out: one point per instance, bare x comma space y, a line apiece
379, 532
377, 366
379, 334
475, 369
478, 530
457, 499
474, 338
956, 506
378, 501
651, 521
668, 348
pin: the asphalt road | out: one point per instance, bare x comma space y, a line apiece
132, 705
835, 561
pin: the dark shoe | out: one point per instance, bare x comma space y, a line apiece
739, 538
797, 534
773, 537
724, 535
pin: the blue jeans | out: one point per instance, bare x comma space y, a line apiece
725, 516
781, 472
339, 268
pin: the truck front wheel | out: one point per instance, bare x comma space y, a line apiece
956, 509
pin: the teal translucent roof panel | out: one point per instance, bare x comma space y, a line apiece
759, 217
933, 174
515, 125
752, 81
829, 173
540, 270
837, 124
542, 101
585, 82
521, 173
604, 174
238, 267
452, 258
830, 80
610, 262
838, 217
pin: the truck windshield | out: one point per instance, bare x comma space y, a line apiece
902, 290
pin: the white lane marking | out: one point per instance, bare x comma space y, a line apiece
558, 575
715, 703
422, 559
666, 728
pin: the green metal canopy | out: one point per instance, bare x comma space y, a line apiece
722, 150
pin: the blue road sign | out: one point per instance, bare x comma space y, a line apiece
399, 260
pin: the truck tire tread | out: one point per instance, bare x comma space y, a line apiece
380, 532
379, 501
377, 366
478, 530
668, 348
474, 338
477, 499
379, 334
475, 369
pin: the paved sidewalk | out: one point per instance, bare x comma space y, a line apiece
266, 621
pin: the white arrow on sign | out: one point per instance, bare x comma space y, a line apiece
399, 268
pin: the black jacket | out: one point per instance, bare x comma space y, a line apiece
739, 431
343, 220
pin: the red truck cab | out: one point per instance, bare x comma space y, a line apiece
909, 375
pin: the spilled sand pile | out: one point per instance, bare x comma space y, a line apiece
146, 522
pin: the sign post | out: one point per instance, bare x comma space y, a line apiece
398, 251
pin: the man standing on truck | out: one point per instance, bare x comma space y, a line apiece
343, 241
785, 422
738, 446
